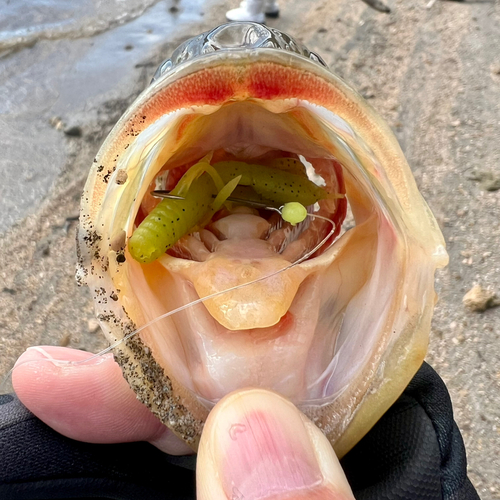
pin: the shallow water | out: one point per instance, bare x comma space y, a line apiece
59, 62
23, 23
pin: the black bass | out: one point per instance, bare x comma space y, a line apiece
340, 334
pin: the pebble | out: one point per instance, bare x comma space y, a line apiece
74, 131
57, 123
121, 176
479, 299
489, 181
93, 325
495, 68
65, 340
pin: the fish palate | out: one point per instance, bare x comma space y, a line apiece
341, 333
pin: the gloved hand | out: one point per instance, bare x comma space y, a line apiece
415, 451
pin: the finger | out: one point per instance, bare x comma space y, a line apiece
257, 445
89, 402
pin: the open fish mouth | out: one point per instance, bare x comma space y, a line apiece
341, 333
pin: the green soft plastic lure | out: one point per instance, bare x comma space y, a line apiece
278, 186
170, 220
205, 188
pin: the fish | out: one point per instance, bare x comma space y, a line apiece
341, 331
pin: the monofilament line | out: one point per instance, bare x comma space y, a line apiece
217, 294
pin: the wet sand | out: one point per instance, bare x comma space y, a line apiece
433, 74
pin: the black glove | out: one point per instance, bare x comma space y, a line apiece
414, 452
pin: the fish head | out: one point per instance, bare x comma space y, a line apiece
340, 330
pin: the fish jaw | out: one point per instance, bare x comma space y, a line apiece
395, 238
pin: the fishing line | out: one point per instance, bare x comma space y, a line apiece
217, 294
194, 302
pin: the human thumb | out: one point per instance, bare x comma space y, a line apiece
257, 445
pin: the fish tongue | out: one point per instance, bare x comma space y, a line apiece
258, 305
